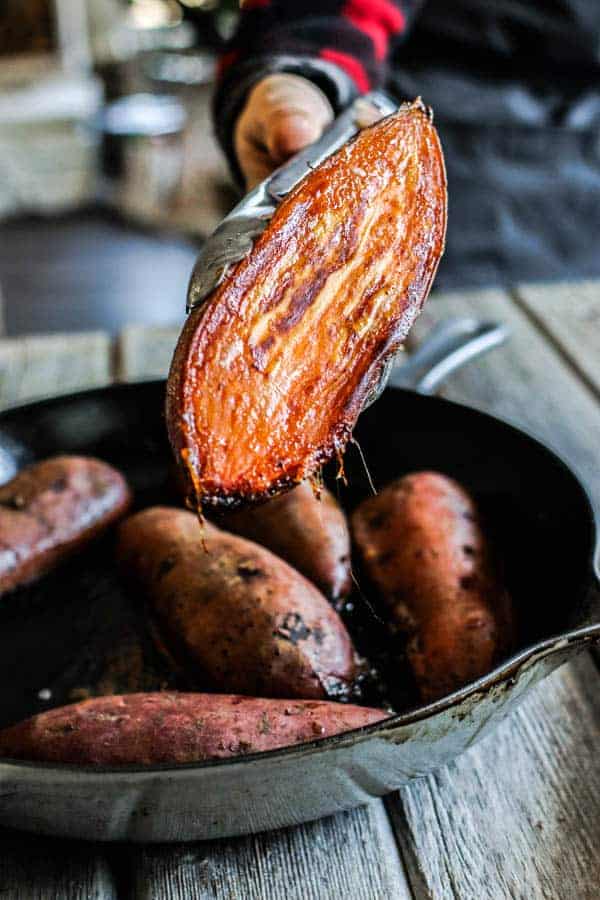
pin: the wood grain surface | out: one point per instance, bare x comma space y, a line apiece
46, 365
569, 317
144, 352
351, 855
518, 815
525, 381
40, 868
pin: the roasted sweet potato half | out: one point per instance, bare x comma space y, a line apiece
308, 529
232, 612
423, 546
53, 508
271, 373
170, 728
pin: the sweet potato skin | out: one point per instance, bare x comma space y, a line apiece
237, 613
170, 728
423, 547
51, 509
272, 371
307, 530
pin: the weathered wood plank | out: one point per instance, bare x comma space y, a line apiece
570, 315
352, 855
46, 365
518, 815
145, 352
425, 813
525, 381
36, 868
453, 848
2, 315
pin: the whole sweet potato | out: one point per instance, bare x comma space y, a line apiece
422, 545
310, 532
243, 617
150, 729
272, 370
53, 508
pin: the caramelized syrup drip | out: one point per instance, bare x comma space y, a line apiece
316, 482
341, 472
194, 502
365, 466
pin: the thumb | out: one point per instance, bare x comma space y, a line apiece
290, 131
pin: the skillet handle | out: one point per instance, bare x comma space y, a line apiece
449, 345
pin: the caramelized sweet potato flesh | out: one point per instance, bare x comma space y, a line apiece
271, 373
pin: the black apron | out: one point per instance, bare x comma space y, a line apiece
515, 89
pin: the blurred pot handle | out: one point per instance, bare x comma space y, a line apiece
448, 346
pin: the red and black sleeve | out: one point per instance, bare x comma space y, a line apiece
341, 45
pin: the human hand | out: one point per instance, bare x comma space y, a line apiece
283, 114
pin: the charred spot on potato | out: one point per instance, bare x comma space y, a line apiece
318, 635
376, 521
15, 502
249, 570
385, 558
244, 747
62, 728
264, 726
293, 629
166, 565
469, 583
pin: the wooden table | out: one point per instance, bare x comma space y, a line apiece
517, 816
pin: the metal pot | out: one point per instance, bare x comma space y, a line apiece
544, 523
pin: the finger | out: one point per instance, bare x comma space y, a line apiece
255, 162
283, 114
366, 113
287, 112
290, 132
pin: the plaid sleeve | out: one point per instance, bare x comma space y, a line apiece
341, 45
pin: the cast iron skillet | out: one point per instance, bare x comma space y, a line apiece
78, 630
